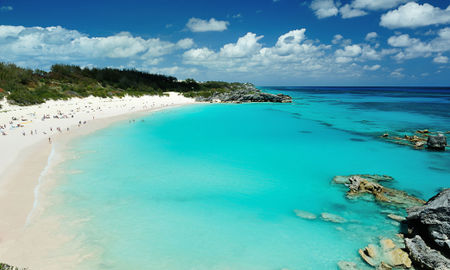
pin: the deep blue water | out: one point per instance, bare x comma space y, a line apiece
215, 186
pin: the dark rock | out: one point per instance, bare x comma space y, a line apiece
438, 142
424, 256
432, 221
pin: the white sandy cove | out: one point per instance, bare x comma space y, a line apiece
24, 154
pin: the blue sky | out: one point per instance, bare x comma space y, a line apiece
267, 42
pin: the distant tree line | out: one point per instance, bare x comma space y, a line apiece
25, 86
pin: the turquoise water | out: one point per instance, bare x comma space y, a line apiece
215, 186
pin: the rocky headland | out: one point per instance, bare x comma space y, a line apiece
244, 94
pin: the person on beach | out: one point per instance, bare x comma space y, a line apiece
49, 140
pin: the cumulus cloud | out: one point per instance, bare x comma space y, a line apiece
371, 35
292, 53
376, 4
45, 46
413, 47
199, 25
412, 15
356, 8
185, 43
324, 8
440, 59
348, 11
371, 68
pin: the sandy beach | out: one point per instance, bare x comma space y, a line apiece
32, 139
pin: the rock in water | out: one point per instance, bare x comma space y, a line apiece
304, 214
333, 218
432, 221
438, 142
429, 231
424, 256
369, 184
342, 265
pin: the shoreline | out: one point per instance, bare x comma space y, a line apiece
24, 185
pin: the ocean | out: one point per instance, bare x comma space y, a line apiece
215, 186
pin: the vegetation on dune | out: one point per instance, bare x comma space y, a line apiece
26, 87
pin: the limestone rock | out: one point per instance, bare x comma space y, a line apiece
438, 142
399, 258
369, 184
387, 244
366, 256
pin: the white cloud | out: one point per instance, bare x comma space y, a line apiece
398, 73
199, 25
6, 8
245, 45
371, 68
293, 53
185, 43
349, 12
41, 47
413, 47
412, 15
440, 59
324, 8
349, 51
376, 4
337, 38
371, 35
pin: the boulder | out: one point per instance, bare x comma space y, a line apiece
424, 256
432, 221
429, 231
438, 142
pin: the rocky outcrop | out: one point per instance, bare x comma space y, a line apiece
437, 143
246, 94
359, 185
429, 232
434, 141
424, 256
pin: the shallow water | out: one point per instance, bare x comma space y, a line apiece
215, 186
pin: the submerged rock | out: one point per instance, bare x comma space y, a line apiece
438, 142
369, 184
343, 265
304, 214
429, 232
396, 217
332, 218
